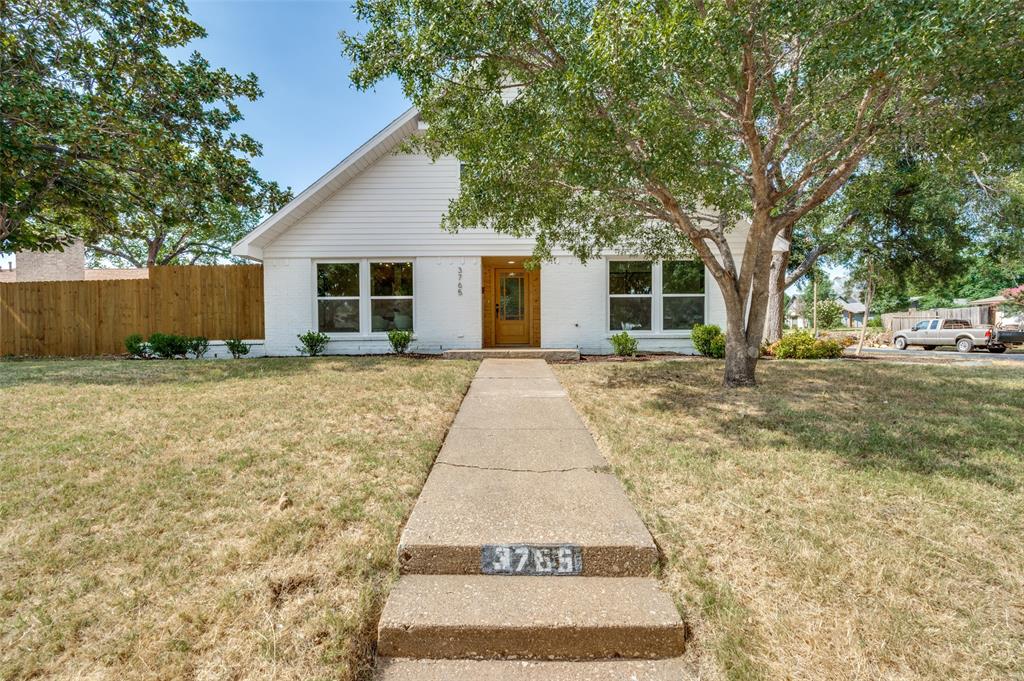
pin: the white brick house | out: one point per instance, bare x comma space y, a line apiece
361, 251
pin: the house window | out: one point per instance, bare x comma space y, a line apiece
630, 286
390, 296
682, 294
337, 297
655, 296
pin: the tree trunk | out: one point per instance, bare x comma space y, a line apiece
740, 363
869, 293
776, 298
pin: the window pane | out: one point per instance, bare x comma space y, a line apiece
629, 277
339, 315
630, 314
391, 314
391, 279
337, 279
682, 313
682, 276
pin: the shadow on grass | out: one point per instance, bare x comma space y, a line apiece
952, 421
59, 372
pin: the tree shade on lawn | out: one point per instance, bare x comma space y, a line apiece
849, 520
618, 124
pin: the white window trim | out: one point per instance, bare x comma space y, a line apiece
370, 297
657, 307
365, 307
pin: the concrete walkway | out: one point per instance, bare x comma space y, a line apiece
518, 489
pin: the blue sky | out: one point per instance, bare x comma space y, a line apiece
310, 117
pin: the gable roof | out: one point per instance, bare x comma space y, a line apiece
385, 141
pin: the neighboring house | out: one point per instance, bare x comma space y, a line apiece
66, 265
361, 251
853, 312
796, 315
995, 313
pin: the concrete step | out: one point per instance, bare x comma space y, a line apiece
448, 617
401, 669
462, 508
547, 354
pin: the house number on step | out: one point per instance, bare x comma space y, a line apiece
531, 559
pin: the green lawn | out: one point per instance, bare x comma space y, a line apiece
844, 520
211, 520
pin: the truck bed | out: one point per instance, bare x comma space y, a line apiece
1007, 337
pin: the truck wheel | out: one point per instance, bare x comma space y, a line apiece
900, 343
928, 347
964, 345
998, 349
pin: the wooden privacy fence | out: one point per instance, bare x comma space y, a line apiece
976, 314
81, 318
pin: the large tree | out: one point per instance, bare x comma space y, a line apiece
661, 124
102, 132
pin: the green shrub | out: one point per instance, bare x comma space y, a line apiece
168, 345
400, 340
198, 345
875, 323
708, 340
624, 345
313, 343
717, 346
236, 347
137, 346
830, 314
803, 345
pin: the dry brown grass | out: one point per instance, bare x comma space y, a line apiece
845, 520
208, 520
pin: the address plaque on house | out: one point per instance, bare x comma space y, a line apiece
549, 560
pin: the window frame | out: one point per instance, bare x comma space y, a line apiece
657, 296
663, 295
609, 295
370, 262
317, 297
365, 303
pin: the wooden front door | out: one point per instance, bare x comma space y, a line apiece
511, 306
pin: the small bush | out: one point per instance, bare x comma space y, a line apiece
803, 345
624, 345
168, 345
137, 346
198, 345
399, 340
708, 340
875, 323
313, 343
236, 347
830, 314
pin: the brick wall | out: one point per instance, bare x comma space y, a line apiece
68, 265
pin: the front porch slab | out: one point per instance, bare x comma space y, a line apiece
547, 354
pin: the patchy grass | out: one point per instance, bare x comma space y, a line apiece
844, 520
228, 520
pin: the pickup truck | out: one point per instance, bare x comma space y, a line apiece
930, 333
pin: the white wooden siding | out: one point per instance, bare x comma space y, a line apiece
392, 206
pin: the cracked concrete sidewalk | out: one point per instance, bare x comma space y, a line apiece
520, 469
520, 466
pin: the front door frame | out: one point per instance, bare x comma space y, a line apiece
489, 278
503, 335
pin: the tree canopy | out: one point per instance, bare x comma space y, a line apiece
102, 133
658, 125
